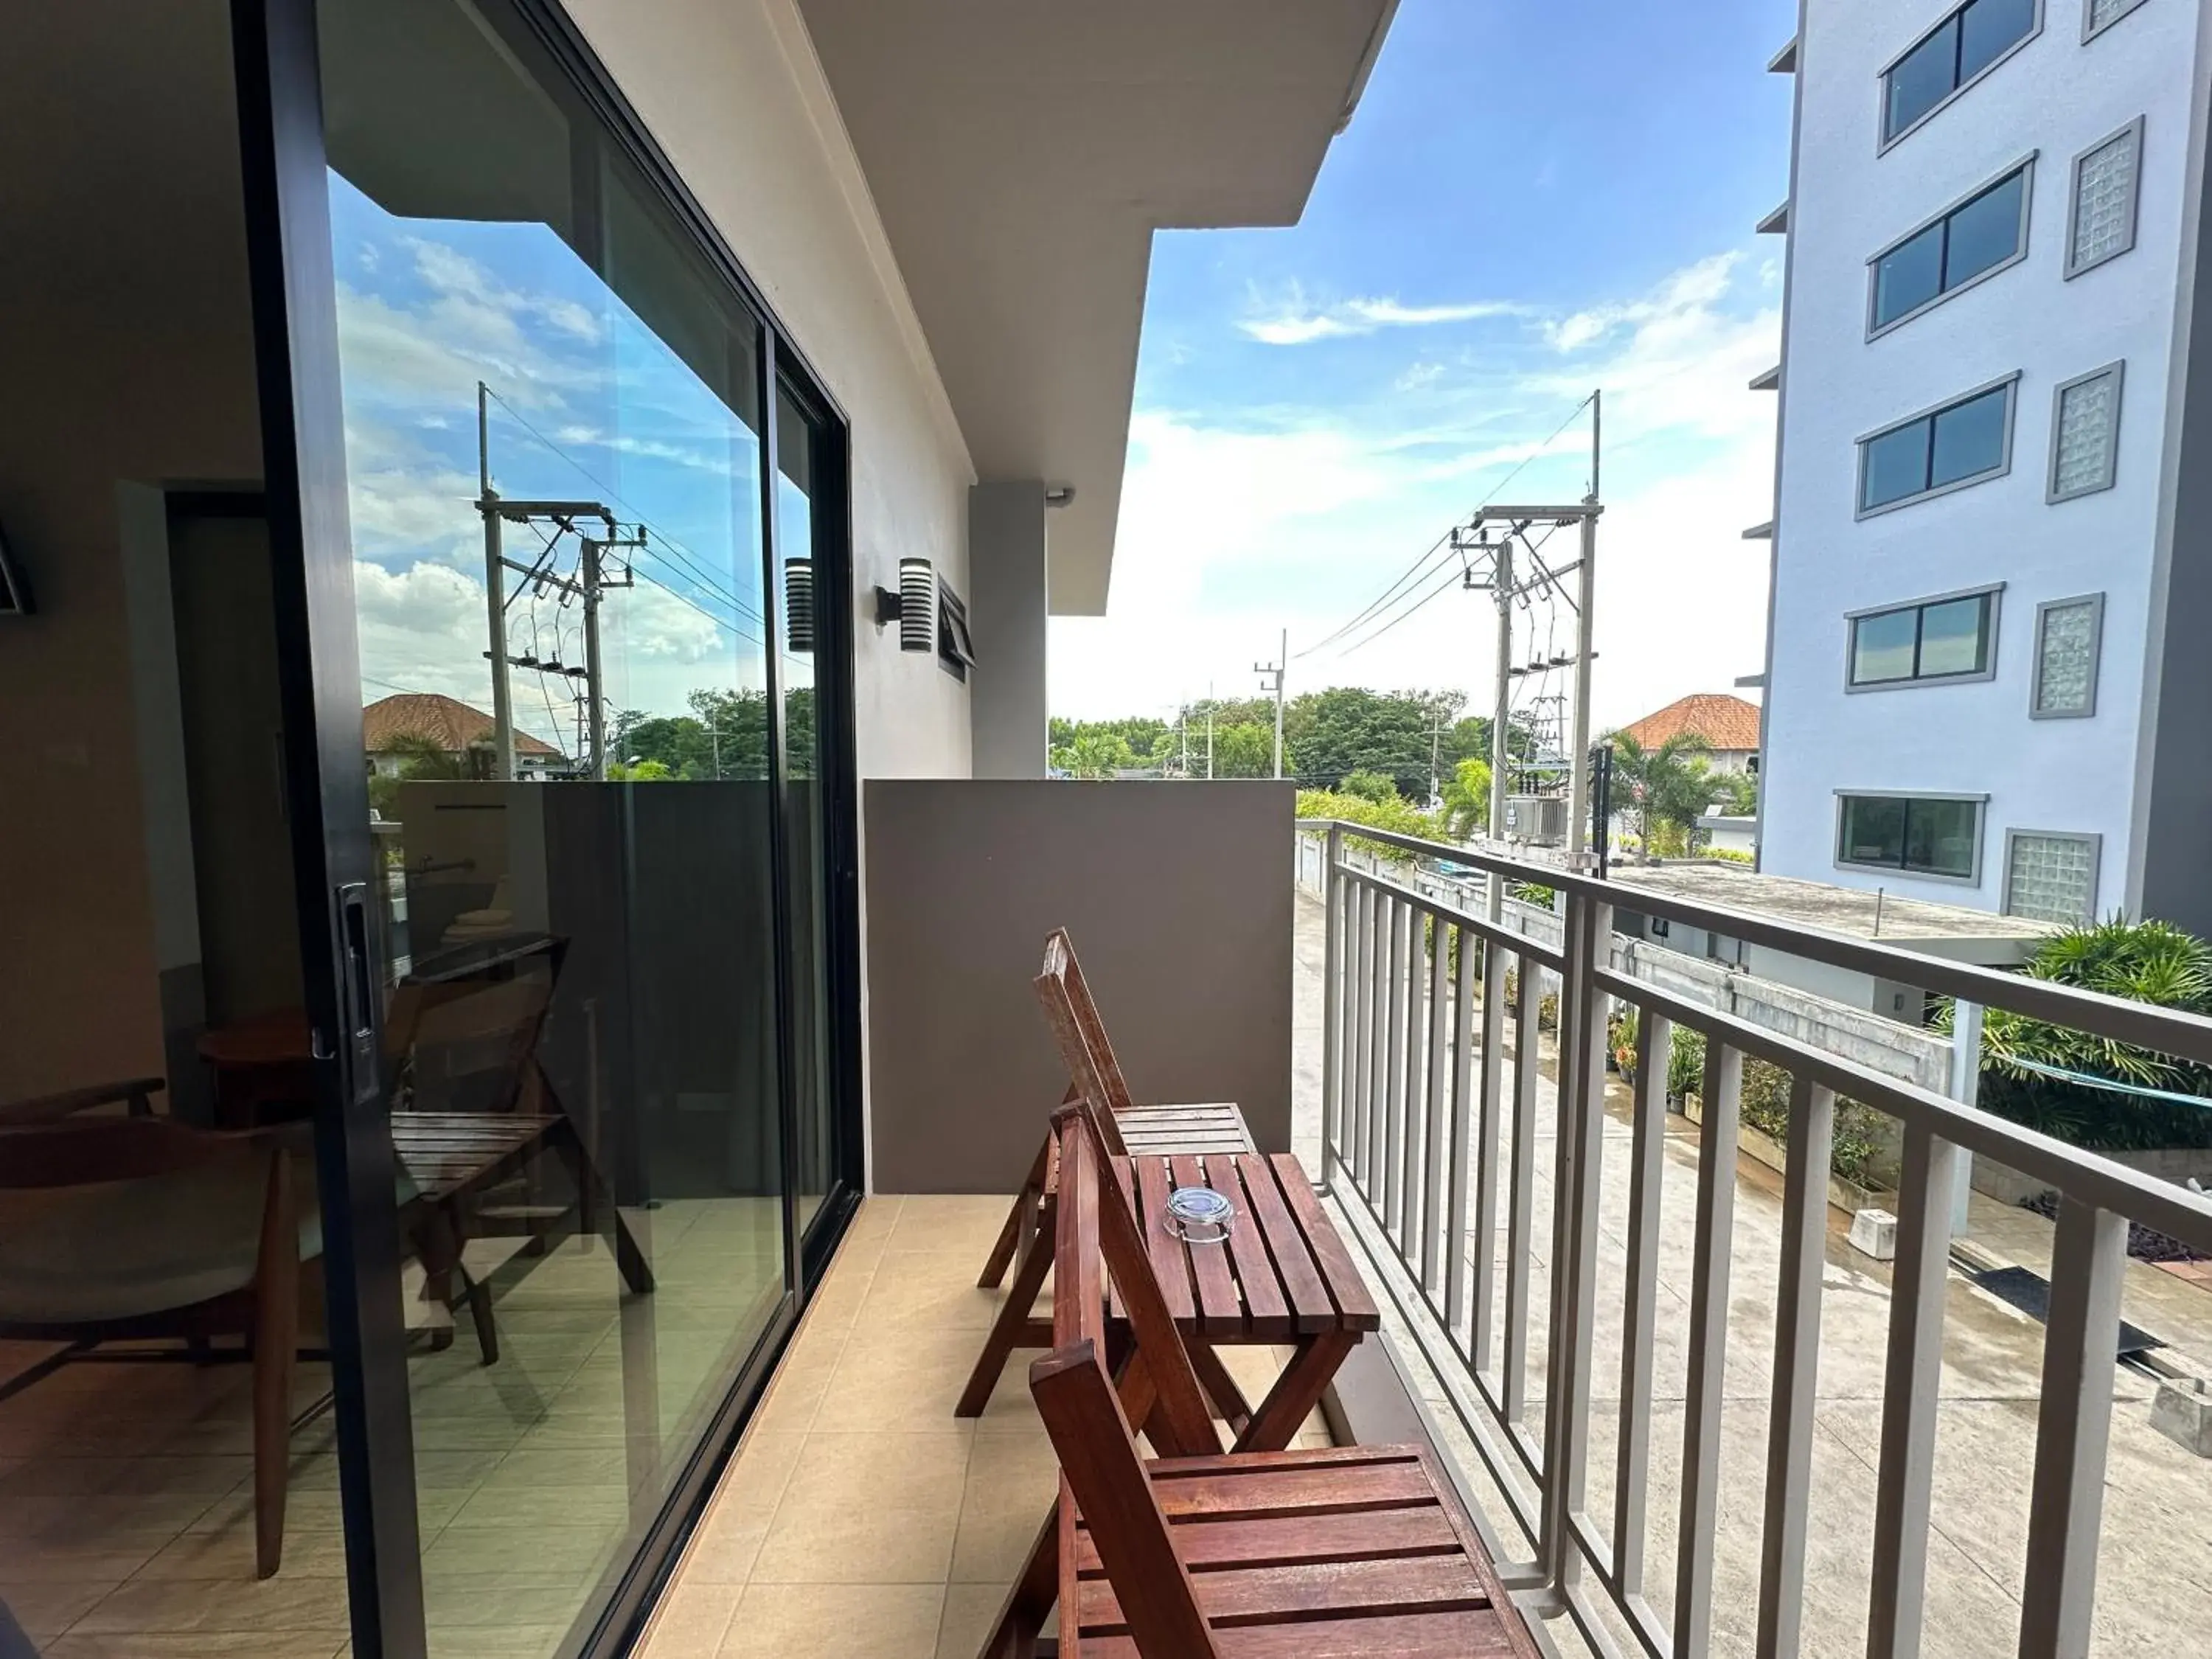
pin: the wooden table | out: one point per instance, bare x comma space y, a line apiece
1284, 1278
264, 1068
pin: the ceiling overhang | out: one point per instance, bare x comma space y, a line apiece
1021, 153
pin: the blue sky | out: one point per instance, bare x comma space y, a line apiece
1533, 200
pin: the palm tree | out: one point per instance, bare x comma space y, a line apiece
1669, 782
1467, 799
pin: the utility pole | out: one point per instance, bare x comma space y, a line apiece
1501, 754
590, 574
1183, 724
1435, 745
503, 695
1209, 731
1271, 679
1585, 607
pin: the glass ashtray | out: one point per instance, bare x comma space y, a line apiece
1199, 1215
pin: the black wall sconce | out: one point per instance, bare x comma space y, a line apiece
799, 603
913, 607
14, 591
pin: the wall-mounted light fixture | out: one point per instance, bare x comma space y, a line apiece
1059, 496
799, 603
14, 591
914, 607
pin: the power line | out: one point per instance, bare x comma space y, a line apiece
1421, 566
682, 548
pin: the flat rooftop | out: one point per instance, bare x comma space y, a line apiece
1851, 910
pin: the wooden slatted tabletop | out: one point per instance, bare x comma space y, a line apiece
448, 1153
1283, 1276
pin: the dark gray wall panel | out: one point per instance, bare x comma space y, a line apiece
1178, 897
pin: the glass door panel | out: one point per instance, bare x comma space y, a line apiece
555, 450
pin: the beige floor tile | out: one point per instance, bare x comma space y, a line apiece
228, 1644
524, 1507
814, 1543
48, 1607
577, 1551
929, 1287
1012, 1481
207, 1606
970, 1613
938, 1221
309, 1552
729, 1536
495, 1601
691, 1621
870, 1621
923, 1470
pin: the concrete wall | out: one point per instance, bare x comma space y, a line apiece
126, 332
733, 92
1006, 609
1180, 900
2055, 97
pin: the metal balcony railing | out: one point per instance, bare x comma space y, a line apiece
1428, 1132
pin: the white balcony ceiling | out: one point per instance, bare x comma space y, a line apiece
1022, 152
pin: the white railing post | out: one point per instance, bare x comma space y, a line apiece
2089, 1258
1654, 1043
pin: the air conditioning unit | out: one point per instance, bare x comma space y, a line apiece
1540, 820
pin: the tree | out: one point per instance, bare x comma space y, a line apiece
1466, 798
1095, 753
421, 760
1377, 787
1246, 752
1349, 729
1742, 792
644, 771
1669, 785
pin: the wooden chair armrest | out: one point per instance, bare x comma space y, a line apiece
52, 1109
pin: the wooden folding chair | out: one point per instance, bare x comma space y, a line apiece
1168, 1131
1321, 1554
1159, 1131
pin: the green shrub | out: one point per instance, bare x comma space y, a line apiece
1398, 816
1763, 1102
1729, 855
2152, 961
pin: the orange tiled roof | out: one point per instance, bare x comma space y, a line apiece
1724, 722
448, 722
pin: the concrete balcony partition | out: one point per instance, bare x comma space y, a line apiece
1180, 899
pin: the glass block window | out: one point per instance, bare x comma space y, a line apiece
2104, 217
2051, 878
2085, 434
2067, 634
2102, 13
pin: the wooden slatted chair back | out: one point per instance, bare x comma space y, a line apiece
1104, 1480
1093, 1073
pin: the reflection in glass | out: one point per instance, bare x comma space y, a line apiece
553, 420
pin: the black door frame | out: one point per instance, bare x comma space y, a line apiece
293, 288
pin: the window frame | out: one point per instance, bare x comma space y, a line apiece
2118, 370
2026, 167
1883, 144
1994, 591
2010, 383
2069, 269
1979, 802
2096, 602
2091, 29
2096, 842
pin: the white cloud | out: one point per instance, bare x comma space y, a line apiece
1233, 527
1295, 321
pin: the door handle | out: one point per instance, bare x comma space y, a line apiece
357, 981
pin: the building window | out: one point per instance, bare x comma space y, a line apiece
2085, 433
2102, 223
1950, 58
2069, 640
955, 647
1977, 237
1936, 835
1958, 444
1952, 638
2098, 15
2050, 876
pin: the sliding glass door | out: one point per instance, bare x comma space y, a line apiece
590, 582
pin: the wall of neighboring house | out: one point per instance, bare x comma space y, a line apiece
732, 91
126, 333
2055, 97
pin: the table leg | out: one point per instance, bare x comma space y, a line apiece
1296, 1393
1220, 1387
590, 1189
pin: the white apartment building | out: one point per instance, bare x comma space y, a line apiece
1988, 679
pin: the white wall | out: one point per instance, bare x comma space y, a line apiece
2057, 96
733, 92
